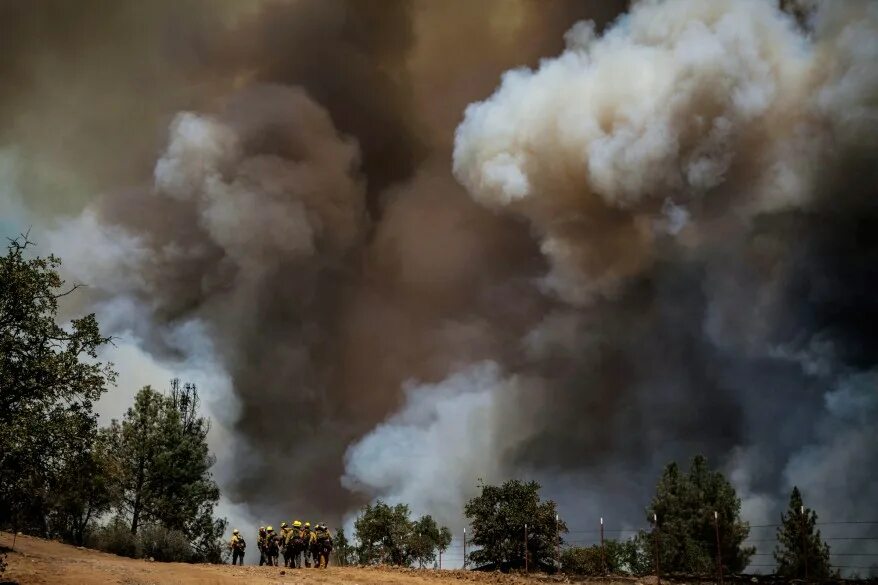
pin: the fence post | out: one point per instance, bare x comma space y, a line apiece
464, 549
440, 560
719, 556
525, 549
558, 540
603, 552
658, 550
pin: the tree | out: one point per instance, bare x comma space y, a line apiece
388, 535
498, 516
685, 505
83, 492
800, 551
383, 532
343, 550
163, 465
49, 379
426, 539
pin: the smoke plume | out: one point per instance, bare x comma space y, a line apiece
657, 242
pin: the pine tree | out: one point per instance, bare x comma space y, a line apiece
800, 552
685, 504
343, 549
163, 462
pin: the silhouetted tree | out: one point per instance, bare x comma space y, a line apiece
498, 517
799, 548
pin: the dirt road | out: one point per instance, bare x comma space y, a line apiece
37, 561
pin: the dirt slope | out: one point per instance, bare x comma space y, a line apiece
37, 561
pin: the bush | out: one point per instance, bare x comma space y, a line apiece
161, 544
156, 542
626, 557
115, 538
581, 560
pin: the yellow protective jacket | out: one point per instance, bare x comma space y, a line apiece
237, 541
286, 535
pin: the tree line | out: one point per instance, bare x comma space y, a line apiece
138, 487
696, 524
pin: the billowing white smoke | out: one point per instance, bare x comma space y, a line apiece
684, 109
448, 436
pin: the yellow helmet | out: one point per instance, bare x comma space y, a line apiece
307, 525
297, 524
283, 524
269, 529
235, 531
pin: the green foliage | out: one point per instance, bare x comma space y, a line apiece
387, 535
162, 462
158, 543
115, 537
799, 543
685, 506
616, 558
49, 379
83, 492
344, 552
498, 516
153, 541
427, 539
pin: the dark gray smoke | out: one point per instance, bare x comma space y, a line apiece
658, 243
285, 210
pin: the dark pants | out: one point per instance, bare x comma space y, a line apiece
237, 554
323, 557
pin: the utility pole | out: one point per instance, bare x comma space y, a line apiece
719, 556
804, 542
603, 552
525, 549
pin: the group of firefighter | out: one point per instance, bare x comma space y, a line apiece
298, 544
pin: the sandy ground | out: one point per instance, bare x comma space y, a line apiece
37, 561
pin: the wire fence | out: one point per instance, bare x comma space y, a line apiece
856, 539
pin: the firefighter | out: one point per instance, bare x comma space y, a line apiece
297, 546
260, 544
323, 545
237, 546
284, 538
272, 546
307, 542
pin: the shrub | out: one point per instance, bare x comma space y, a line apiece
161, 544
625, 557
116, 538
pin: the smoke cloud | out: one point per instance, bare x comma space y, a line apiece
656, 243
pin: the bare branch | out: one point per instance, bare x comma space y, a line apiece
75, 287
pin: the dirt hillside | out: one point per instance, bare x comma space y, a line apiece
38, 561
